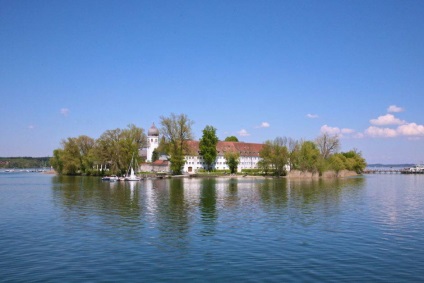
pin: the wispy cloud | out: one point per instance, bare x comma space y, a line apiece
411, 130
337, 131
312, 116
265, 125
388, 119
64, 111
31, 127
394, 109
376, 132
385, 126
243, 133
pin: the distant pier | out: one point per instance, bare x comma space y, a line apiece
393, 171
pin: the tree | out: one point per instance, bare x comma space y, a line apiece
232, 160
207, 145
176, 130
355, 161
155, 155
327, 144
308, 156
231, 139
116, 147
274, 154
71, 157
56, 161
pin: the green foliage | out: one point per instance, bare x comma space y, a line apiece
233, 159
307, 157
57, 161
355, 161
114, 149
176, 130
155, 155
207, 146
274, 155
24, 162
252, 171
231, 139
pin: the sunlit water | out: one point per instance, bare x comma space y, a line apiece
67, 229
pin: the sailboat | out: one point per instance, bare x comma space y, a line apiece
132, 176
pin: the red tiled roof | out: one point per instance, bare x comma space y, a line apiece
243, 148
161, 163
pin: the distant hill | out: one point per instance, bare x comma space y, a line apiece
24, 162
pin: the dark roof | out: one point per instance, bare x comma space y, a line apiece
153, 131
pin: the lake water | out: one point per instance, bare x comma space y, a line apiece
67, 229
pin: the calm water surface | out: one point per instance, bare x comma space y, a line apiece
67, 229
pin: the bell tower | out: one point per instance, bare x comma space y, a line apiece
152, 141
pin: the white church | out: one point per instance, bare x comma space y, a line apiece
249, 155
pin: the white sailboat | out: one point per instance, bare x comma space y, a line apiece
132, 176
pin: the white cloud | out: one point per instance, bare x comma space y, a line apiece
347, 131
64, 111
394, 109
312, 116
341, 132
31, 127
387, 119
243, 133
265, 125
330, 130
411, 129
377, 132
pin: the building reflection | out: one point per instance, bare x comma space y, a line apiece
174, 208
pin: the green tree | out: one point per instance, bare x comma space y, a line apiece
308, 156
275, 154
155, 155
231, 139
207, 146
56, 161
176, 131
337, 162
71, 157
355, 161
117, 147
233, 160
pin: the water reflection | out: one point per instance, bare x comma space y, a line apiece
173, 208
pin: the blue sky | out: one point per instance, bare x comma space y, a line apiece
254, 69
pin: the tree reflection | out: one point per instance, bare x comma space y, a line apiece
208, 199
88, 199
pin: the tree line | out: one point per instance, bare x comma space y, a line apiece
24, 162
316, 156
114, 150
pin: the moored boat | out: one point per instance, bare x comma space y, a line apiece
112, 178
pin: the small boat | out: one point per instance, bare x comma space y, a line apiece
131, 175
419, 168
112, 178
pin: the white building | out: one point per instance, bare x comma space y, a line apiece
248, 152
249, 156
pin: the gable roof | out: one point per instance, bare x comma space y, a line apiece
243, 148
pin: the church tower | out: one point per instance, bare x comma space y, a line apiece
152, 141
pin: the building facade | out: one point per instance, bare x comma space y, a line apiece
248, 152
249, 156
